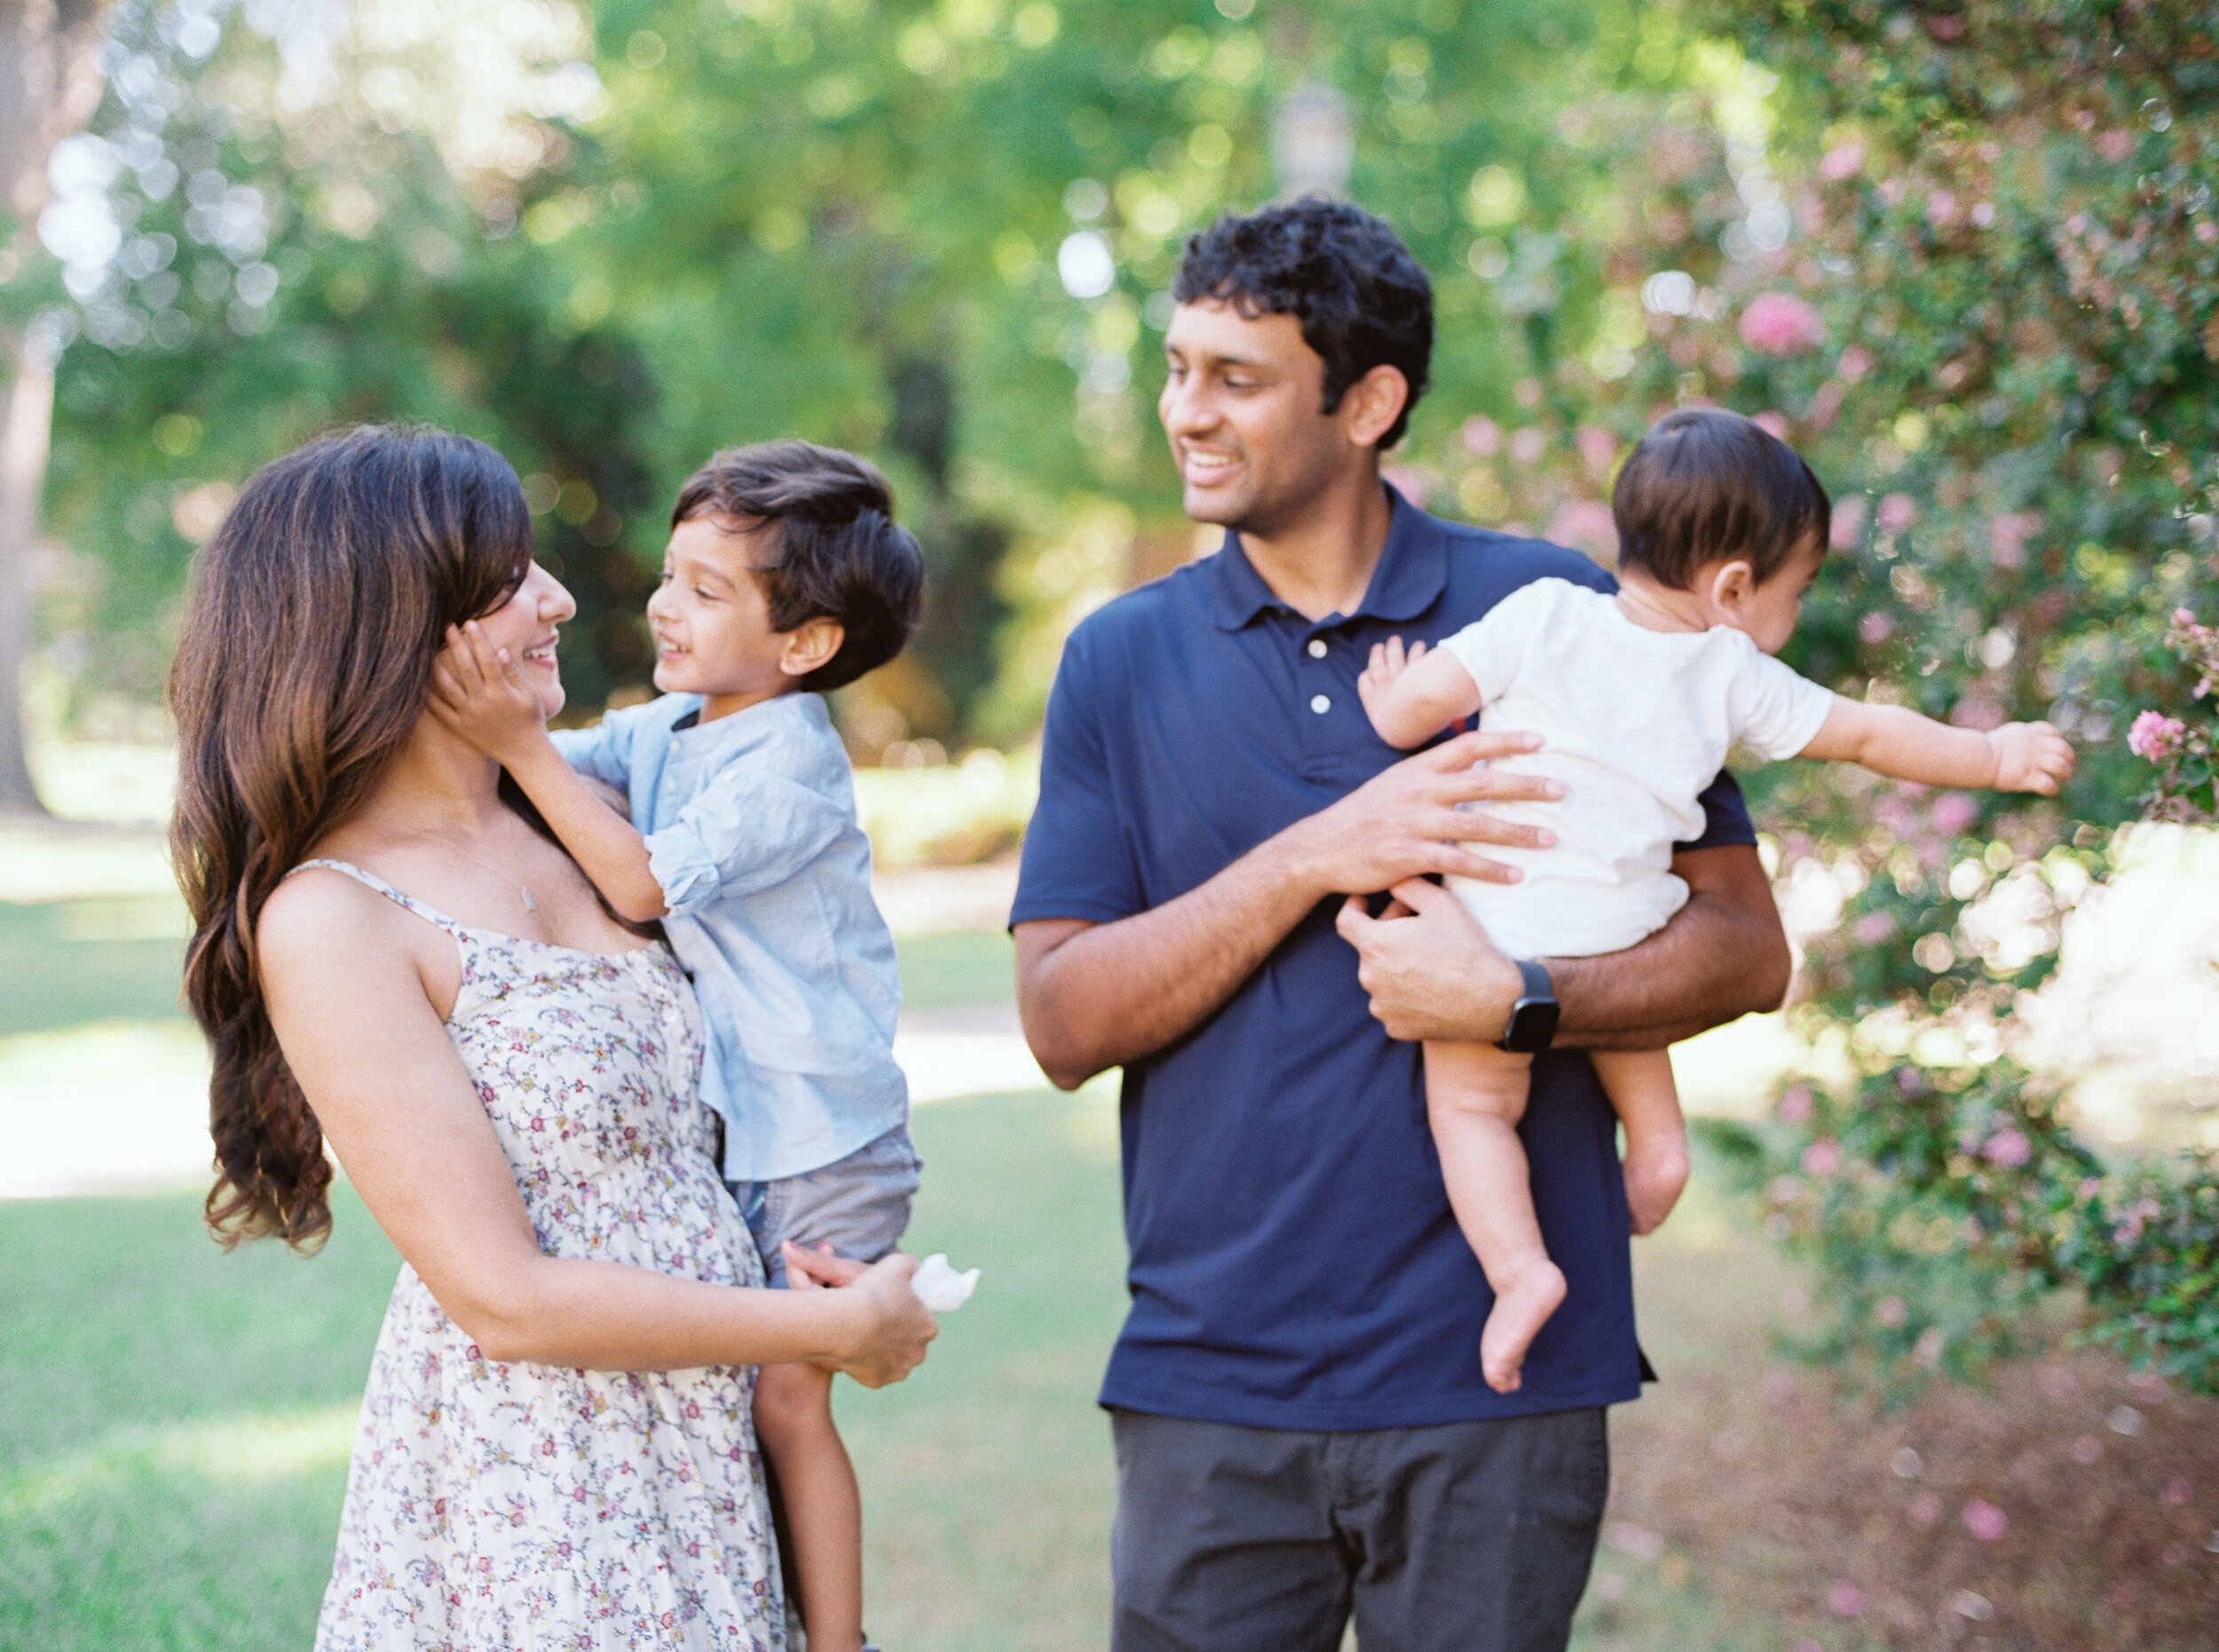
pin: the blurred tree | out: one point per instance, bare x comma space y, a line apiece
48, 86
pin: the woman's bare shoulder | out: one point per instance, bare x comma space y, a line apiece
319, 916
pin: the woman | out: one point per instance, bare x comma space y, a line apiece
555, 1446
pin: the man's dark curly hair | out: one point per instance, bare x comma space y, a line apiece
1362, 300
840, 552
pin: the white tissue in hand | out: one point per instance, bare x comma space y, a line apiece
939, 1287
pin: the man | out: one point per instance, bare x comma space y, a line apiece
1301, 1425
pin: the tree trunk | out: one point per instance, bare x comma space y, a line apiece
50, 84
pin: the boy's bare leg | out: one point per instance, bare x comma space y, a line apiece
1474, 1096
824, 1510
1641, 1087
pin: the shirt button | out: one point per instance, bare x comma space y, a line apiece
1318, 648
1319, 704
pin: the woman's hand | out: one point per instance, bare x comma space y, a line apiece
892, 1326
477, 693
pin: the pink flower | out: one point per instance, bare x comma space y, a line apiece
2183, 616
1953, 813
1897, 512
2115, 146
1482, 436
1849, 522
1846, 1598
1597, 447
2008, 1148
1780, 324
1529, 444
1941, 206
1889, 1311
1855, 363
1794, 1105
1985, 1521
1823, 1156
1586, 525
2155, 736
1842, 162
1872, 929
2008, 535
1773, 423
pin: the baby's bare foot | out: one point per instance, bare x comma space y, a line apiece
1522, 1306
1656, 1174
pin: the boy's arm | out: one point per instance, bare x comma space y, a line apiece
1412, 696
1897, 741
475, 693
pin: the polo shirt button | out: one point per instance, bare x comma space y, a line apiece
1319, 704
1318, 648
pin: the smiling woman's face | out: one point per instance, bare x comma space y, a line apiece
524, 625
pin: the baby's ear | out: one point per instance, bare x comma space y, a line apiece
1732, 585
811, 645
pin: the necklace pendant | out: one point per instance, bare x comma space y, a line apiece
529, 904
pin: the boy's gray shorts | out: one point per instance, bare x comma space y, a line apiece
858, 1205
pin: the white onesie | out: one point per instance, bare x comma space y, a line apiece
1636, 724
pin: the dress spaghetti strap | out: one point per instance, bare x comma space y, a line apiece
407, 902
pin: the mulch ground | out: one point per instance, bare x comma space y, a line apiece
2069, 1507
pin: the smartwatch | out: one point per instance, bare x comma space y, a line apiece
1533, 1017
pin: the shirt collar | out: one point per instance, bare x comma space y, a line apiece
1412, 571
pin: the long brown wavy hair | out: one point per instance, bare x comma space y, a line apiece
314, 616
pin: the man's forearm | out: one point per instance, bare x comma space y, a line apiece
1095, 996
1721, 956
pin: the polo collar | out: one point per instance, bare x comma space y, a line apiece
1412, 572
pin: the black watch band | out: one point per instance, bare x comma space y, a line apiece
1533, 1017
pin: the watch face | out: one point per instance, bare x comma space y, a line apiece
1532, 1025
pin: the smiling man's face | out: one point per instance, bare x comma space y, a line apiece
1242, 405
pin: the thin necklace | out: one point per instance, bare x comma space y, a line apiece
522, 889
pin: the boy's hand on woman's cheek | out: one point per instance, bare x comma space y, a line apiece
478, 694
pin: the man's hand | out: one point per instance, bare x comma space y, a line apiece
477, 693
1430, 967
1405, 823
2031, 757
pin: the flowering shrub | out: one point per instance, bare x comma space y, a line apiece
2181, 753
1966, 258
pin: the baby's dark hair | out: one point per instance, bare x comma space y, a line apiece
1345, 274
1707, 485
840, 555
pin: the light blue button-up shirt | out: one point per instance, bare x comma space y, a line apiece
751, 830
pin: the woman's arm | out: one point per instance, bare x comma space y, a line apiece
345, 985
1897, 741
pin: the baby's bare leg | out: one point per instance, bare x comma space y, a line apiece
1641, 1087
1474, 1096
824, 1510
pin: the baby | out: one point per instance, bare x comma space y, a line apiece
784, 578
1637, 697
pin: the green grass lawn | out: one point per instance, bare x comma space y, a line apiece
175, 1422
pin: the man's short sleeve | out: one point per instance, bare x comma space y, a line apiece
1077, 861
1725, 821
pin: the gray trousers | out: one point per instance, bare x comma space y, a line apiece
1461, 1537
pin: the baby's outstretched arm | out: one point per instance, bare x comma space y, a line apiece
476, 694
1411, 696
1897, 741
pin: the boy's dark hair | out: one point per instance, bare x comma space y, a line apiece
1707, 485
841, 554
1362, 300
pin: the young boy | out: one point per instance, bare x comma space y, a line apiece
785, 577
1636, 698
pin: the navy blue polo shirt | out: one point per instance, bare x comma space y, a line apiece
1294, 1260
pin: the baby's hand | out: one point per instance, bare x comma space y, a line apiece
477, 693
1389, 660
2030, 757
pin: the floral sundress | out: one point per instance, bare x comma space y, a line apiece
497, 1505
